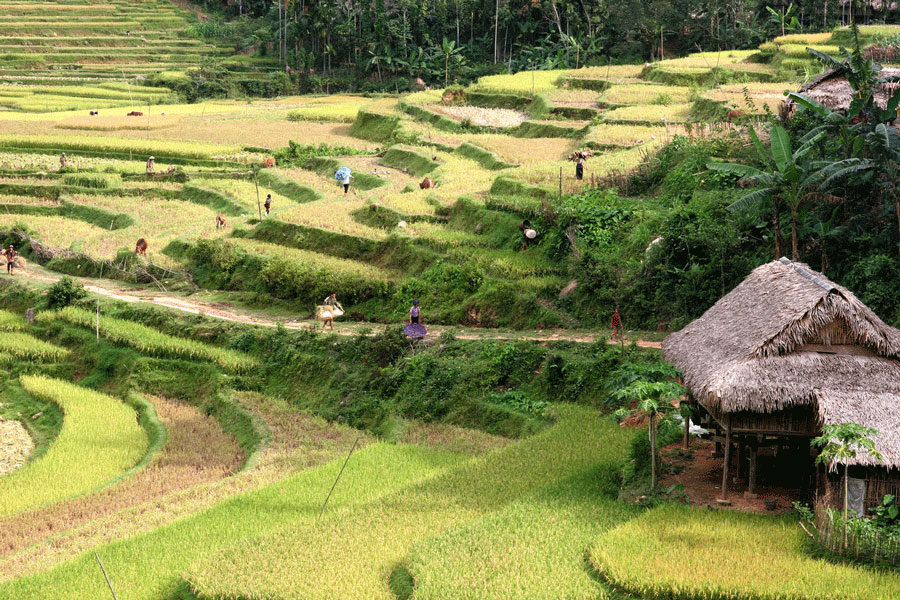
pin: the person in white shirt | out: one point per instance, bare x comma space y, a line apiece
345, 181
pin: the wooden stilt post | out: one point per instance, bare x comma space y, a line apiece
751, 484
740, 466
687, 433
724, 499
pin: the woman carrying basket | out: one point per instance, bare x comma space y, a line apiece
330, 309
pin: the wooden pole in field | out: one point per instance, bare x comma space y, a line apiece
560, 184
256, 183
112, 591
341, 472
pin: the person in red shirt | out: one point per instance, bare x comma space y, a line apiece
615, 323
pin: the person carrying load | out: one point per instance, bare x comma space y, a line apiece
10, 255
343, 176
329, 310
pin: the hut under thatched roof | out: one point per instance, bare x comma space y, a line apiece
786, 352
834, 90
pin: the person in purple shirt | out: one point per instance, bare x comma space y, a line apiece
414, 312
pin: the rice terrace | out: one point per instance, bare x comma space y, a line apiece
450, 300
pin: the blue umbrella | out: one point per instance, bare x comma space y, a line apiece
342, 173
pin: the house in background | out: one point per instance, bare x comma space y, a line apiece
784, 353
834, 91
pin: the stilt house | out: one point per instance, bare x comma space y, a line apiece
784, 353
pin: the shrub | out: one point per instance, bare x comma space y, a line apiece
64, 292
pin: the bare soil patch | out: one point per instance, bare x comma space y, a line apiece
702, 479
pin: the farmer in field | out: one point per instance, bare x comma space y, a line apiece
150, 163
579, 167
10, 255
343, 176
63, 161
528, 233
415, 312
268, 203
333, 309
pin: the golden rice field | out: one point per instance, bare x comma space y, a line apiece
696, 553
522, 82
649, 93
672, 113
315, 260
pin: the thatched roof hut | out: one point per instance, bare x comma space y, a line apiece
834, 90
788, 337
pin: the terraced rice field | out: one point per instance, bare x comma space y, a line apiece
454, 513
96, 425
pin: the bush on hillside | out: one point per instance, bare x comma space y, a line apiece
64, 292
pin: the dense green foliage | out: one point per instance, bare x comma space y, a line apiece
329, 46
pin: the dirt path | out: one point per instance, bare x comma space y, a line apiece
15, 445
111, 289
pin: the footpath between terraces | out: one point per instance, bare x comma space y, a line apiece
221, 310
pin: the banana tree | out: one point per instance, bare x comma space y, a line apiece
790, 178
449, 50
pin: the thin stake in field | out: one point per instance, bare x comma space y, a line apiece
102, 568
341, 472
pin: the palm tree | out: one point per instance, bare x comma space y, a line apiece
840, 443
791, 178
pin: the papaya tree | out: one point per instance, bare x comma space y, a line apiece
840, 444
657, 400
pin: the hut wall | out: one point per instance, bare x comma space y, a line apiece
880, 482
799, 420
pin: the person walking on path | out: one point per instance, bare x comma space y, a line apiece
415, 313
332, 308
579, 167
63, 161
345, 181
268, 203
10, 255
150, 163
615, 323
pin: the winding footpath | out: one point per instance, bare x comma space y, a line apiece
114, 290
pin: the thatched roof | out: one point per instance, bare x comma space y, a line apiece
834, 91
750, 352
